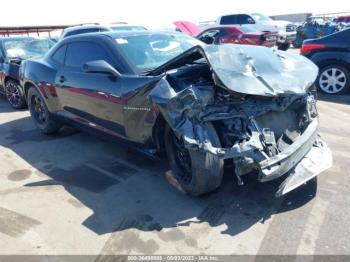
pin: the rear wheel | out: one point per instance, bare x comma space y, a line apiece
14, 95
40, 114
197, 172
334, 79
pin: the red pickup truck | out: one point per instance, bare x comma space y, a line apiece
228, 34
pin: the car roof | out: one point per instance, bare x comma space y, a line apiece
116, 34
78, 27
250, 14
223, 27
125, 25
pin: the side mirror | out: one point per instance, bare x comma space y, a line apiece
100, 66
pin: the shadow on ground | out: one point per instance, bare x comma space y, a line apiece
5, 106
125, 190
339, 99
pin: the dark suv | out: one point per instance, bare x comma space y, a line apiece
332, 55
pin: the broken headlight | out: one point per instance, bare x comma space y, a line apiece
311, 107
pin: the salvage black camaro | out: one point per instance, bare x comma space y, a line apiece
159, 92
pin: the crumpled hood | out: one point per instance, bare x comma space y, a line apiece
259, 70
253, 70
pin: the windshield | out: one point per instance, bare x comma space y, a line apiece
26, 48
261, 17
146, 52
128, 28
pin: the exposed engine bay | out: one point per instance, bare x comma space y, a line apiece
265, 128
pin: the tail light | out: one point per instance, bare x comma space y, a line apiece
310, 47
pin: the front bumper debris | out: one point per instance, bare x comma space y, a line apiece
280, 164
307, 157
317, 160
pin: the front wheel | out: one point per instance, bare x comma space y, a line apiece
40, 114
283, 46
14, 95
334, 79
197, 172
298, 42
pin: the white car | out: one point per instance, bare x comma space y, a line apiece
259, 22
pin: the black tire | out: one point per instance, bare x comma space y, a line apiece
284, 46
340, 84
298, 42
205, 171
40, 114
14, 94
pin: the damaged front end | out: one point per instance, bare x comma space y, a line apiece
258, 99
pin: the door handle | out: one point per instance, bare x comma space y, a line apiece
62, 79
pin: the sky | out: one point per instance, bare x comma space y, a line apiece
151, 13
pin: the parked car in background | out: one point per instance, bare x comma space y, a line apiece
332, 55
13, 50
238, 35
249, 105
315, 27
262, 23
187, 27
83, 29
343, 21
126, 27
286, 30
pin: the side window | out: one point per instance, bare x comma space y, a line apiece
222, 33
81, 52
208, 37
245, 19
60, 54
229, 20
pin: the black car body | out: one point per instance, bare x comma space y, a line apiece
332, 55
200, 104
13, 50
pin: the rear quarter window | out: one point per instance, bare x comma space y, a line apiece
229, 20
236, 20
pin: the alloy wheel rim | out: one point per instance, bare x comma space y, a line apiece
12, 94
332, 80
38, 109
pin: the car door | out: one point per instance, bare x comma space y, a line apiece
93, 99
